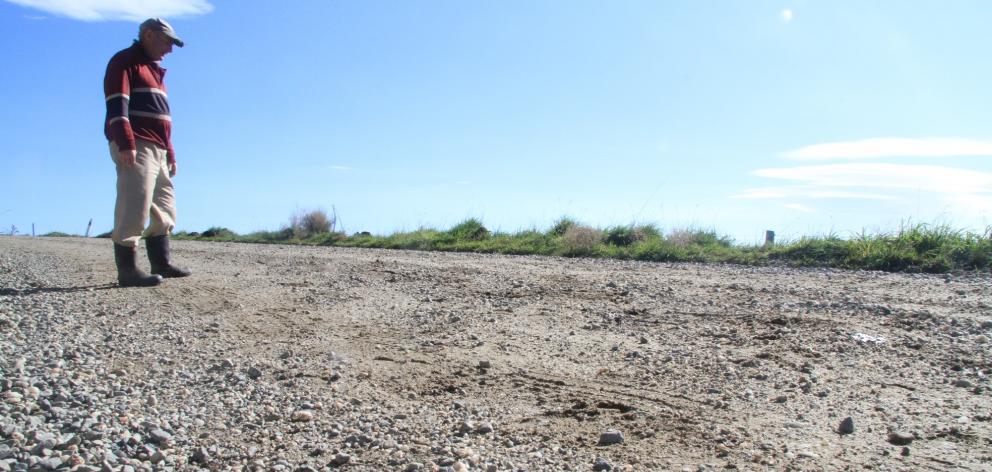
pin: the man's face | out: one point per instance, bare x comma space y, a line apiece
156, 44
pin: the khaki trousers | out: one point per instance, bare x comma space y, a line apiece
143, 190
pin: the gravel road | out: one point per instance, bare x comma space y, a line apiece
302, 358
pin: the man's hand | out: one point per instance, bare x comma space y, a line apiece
127, 157
173, 168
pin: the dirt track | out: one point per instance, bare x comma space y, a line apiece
276, 357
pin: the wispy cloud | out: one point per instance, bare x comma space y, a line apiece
786, 15
799, 191
892, 147
940, 179
799, 207
105, 10
340, 168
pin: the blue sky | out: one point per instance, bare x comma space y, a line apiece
805, 117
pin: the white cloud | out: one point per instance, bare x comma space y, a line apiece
104, 10
799, 207
940, 179
892, 147
340, 168
808, 192
786, 15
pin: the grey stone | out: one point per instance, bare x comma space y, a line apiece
609, 437
963, 383
160, 437
484, 428
846, 426
50, 463
901, 438
414, 467
254, 372
46, 440
200, 455
341, 459
601, 464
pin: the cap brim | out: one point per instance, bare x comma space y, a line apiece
175, 40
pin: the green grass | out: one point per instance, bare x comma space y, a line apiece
913, 248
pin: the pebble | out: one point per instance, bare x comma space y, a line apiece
901, 438
341, 459
609, 437
963, 383
601, 464
846, 426
484, 428
160, 437
302, 416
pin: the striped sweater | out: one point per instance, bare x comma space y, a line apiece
137, 104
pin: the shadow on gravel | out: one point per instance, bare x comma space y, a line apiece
31, 291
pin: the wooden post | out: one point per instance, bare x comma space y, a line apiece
90, 225
769, 238
32, 230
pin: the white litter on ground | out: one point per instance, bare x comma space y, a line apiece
865, 338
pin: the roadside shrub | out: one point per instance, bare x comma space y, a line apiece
623, 236
218, 232
698, 237
581, 240
645, 232
58, 234
826, 252
469, 230
304, 224
561, 226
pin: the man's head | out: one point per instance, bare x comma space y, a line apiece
157, 37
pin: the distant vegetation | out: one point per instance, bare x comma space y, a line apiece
931, 248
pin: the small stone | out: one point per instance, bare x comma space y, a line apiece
200, 455
50, 463
781, 399
905, 452
963, 383
302, 416
340, 459
601, 464
160, 437
254, 373
485, 365
901, 438
610, 436
484, 428
13, 398
846, 426
414, 467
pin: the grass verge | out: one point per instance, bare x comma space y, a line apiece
913, 248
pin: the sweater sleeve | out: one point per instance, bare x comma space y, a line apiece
117, 92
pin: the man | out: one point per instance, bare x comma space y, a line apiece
139, 127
